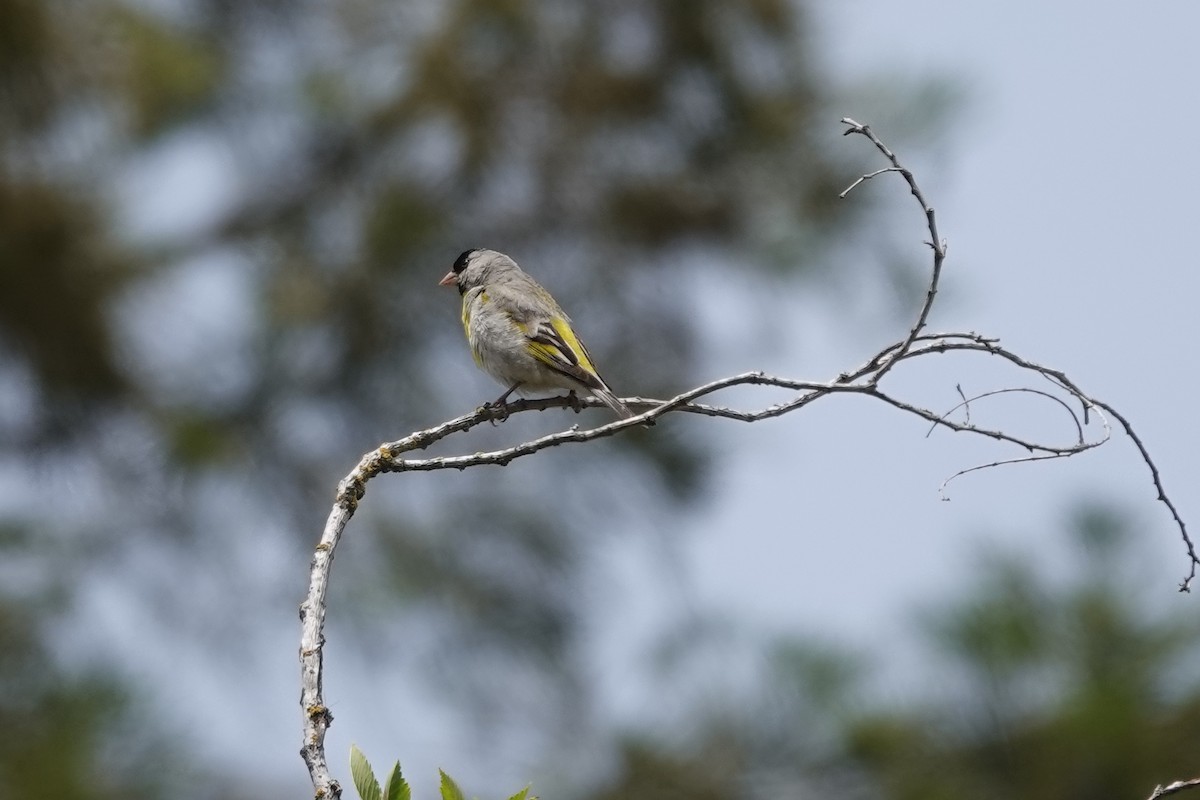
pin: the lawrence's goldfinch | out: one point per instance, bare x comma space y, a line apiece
518, 333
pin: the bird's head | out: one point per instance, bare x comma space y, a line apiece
476, 267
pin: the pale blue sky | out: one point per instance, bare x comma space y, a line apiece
1068, 196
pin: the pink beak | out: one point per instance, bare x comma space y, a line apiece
450, 279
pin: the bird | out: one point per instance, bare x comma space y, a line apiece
518, 333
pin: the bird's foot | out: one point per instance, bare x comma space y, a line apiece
497, 411
499, 406
574, 402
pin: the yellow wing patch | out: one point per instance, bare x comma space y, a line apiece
557, 346
572, 341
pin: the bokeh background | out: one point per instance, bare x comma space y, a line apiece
221, 227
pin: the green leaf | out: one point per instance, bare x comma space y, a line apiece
522, 795
363, 776
395, 787
450, 790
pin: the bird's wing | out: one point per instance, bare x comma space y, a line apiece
555, 344
548, 332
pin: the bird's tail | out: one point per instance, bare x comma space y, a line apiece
613, 402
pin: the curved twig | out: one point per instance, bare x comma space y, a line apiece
936, 243
1004, 462
966, 404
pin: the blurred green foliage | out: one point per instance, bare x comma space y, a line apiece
164, 74
77, 731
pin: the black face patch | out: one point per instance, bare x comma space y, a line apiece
460, 263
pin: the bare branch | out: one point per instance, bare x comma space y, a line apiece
1172, 788
862, 380
966, 405
1186, 586
1002, 462
936, 243
866, 177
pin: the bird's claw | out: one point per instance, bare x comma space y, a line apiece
497, 412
